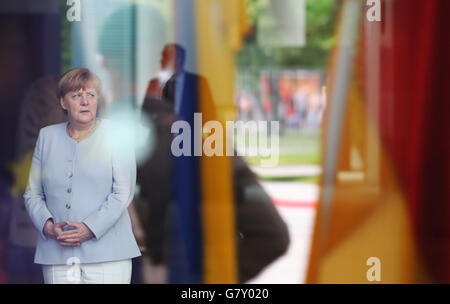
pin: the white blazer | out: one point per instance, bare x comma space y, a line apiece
93, 182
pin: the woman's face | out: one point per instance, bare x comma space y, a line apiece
81, 105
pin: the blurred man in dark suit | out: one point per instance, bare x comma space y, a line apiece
262, 235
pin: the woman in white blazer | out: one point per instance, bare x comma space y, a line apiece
81, 182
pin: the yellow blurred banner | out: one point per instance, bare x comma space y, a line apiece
220, 26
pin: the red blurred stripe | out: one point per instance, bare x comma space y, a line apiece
295, 204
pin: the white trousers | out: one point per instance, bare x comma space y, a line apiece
115, 272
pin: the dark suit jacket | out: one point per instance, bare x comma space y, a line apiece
196, 96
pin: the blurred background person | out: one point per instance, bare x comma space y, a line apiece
167, 63
39, 108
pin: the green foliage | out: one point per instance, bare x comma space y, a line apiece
295, 149
320, 20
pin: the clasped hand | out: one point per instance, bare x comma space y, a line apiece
73, 237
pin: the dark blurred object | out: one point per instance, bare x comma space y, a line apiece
39, 108
156, 174
262, 235
30, 48
5, 208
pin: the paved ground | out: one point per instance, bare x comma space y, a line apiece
296, 202
288, 171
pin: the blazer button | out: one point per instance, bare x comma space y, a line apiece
67, 206
69, 190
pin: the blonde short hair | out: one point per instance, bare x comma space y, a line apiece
75, 79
